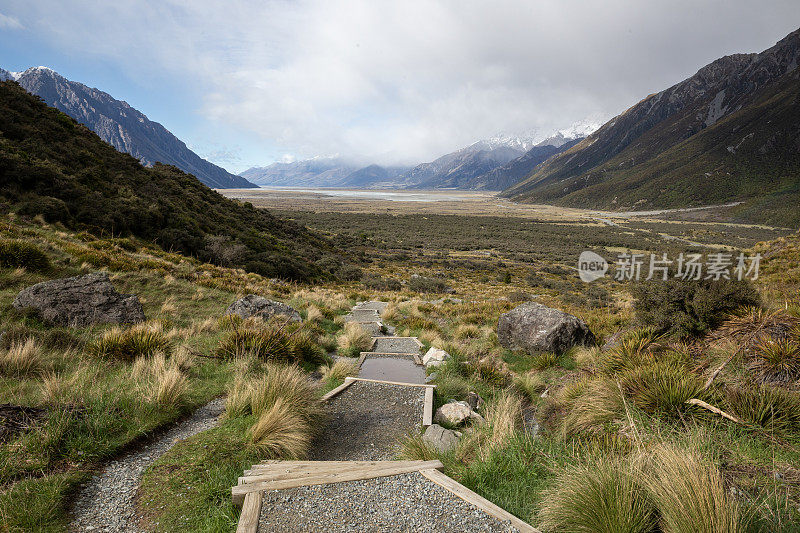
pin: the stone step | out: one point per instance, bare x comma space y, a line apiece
396, 345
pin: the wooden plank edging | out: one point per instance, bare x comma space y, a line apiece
330, 394
251, 512
427, 410
394, 382
477, 500
299, 470
239, 492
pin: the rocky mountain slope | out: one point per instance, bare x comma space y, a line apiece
56, 168
729, 133
316, 172
120, 125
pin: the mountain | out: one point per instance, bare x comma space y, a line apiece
52, 166
375, 176
518, 169
456, 169
729, 133
316, 172
121, 126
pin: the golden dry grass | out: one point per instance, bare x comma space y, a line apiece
338, 370
353, 339
21, 359
281, 432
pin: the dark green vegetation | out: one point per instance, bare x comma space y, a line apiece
667, 150
53, 167
690, 308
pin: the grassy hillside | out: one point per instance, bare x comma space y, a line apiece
53, 167
751, 156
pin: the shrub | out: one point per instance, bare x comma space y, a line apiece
690, 308
601, 496
353, 340
378, 283
21, 254
281, 432
690, 494
130, 344
426, 284
21, 359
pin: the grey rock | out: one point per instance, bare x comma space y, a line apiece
254, 305
530, 424
440, 438
81, 301
430, 379
474, 400
535, 327
453, 413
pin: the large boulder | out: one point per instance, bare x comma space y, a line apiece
435, 357
534, 327
456, 413
440, 439
81, 301
255, 305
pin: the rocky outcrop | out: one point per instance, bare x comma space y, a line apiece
254, 305
81, 301
440, 439
534, 327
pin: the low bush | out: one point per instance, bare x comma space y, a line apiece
690, 308
21, 254
427, 284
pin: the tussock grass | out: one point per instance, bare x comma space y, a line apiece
268, 343
338, 370
413, 448
544, 360
633, 349
169, 387
777, 359
769, 407
662, 388
530, 384
690, 494
256, 394
503, 419
15, 253
353, 340
601, 496
586, 358
591, 407
467, 331
281, 432
128, 344
21, 359
313, 313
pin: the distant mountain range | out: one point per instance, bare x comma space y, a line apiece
481, 165
729, 133
121, 126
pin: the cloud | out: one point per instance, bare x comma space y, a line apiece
10, 23
407, 81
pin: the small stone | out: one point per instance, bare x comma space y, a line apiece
432, 377
453, 413
440, 438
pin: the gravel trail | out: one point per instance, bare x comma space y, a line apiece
366, 421
405, 502
106, 502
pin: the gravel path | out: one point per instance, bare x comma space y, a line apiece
406, 502
395, 345
106, 502
366, 420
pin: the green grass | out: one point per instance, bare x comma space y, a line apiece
188, 488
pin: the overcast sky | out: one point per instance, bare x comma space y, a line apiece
249, 82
